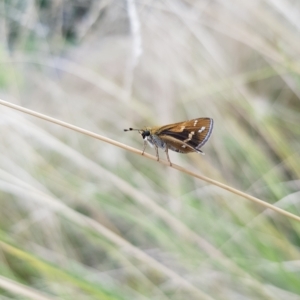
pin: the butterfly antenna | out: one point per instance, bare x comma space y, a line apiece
131, 129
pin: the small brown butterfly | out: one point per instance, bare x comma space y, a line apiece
183, 137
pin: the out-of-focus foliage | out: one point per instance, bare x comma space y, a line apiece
81, 219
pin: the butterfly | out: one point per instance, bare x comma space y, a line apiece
183, 137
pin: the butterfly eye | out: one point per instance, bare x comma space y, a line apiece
145, 133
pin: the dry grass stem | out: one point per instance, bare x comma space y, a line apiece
136, 151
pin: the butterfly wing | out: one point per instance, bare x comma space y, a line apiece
177, 146
187, 136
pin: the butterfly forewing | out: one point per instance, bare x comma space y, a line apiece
186, 136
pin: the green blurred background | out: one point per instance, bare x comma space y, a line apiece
82, 219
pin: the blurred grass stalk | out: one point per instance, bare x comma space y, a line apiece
83, 220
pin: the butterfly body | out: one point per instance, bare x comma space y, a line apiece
183, 137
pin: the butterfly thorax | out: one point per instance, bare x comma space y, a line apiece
149, 135
152, 139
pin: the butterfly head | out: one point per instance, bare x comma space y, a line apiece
143, 132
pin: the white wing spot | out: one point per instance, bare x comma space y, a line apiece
195, 123
190, 136
183, 146
201, 129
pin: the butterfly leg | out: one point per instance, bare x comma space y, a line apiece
157, 155
145, 145
167, 153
